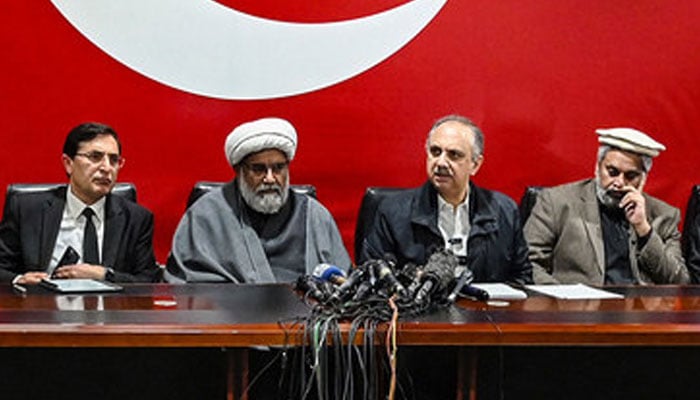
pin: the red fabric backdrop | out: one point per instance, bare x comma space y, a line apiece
538, 76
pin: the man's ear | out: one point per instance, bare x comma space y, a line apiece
477, 164
67, 164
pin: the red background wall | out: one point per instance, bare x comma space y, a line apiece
537, 76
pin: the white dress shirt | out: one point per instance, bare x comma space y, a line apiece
453, 222
72, 227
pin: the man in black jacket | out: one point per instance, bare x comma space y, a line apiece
109, 238
481, 227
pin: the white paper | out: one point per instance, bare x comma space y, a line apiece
79, 285
578, 291
501, 291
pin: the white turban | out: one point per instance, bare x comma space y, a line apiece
262, 134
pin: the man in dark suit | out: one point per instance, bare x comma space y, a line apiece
82, 230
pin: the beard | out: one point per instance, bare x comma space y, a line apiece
266, 198
608, 197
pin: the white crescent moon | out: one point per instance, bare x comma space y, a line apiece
205, 48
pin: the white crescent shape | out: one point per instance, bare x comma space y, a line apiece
205, 48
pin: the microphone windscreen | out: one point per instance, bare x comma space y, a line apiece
328, 272
440, 268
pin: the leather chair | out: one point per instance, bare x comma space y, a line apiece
368, 210
691, 229
527, 202
202, 187
124, 189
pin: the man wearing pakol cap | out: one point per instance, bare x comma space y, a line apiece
254, 229
606, 230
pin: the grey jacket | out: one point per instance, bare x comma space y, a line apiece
565, 239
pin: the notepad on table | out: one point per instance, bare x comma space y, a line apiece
79, 285
501, 291
577, 291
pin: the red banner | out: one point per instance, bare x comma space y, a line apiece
537, 76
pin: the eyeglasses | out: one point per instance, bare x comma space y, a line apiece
96, 157
260, 169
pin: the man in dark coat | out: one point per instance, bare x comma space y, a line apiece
82, 230
481, 227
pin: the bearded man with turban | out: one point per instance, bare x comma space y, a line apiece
255, 229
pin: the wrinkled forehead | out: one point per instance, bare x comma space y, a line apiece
451, 138
622, 160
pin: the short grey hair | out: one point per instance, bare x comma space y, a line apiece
646, 160
478, 137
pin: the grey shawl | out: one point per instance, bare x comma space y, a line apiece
214, 241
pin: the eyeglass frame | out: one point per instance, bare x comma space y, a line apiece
115, 160
260, 169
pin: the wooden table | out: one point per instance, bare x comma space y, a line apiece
237, 317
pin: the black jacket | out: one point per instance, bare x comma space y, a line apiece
691, 244
406, 226
30, 225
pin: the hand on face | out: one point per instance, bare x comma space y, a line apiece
634, 205
621, 175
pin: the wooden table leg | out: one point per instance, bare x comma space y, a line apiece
466, 371
236, 374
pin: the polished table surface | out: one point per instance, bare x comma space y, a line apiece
226, 315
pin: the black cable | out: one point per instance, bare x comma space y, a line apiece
258, 375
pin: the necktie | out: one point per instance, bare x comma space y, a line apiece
90, 253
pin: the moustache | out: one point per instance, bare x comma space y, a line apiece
264, 189
102, 180
442, 171
616, 194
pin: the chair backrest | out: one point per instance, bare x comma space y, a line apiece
125, 189
202, 187
691, 223
368, 210
528, 201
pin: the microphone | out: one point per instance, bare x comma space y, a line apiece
355, 277
368, 282
363, 290
437, 275
385, 274
465, 278
309, 285
426, 289
329, 273
475, 292
412, 273
464, 287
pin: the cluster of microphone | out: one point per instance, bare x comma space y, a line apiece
414, 287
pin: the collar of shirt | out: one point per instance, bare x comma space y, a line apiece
75, 206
